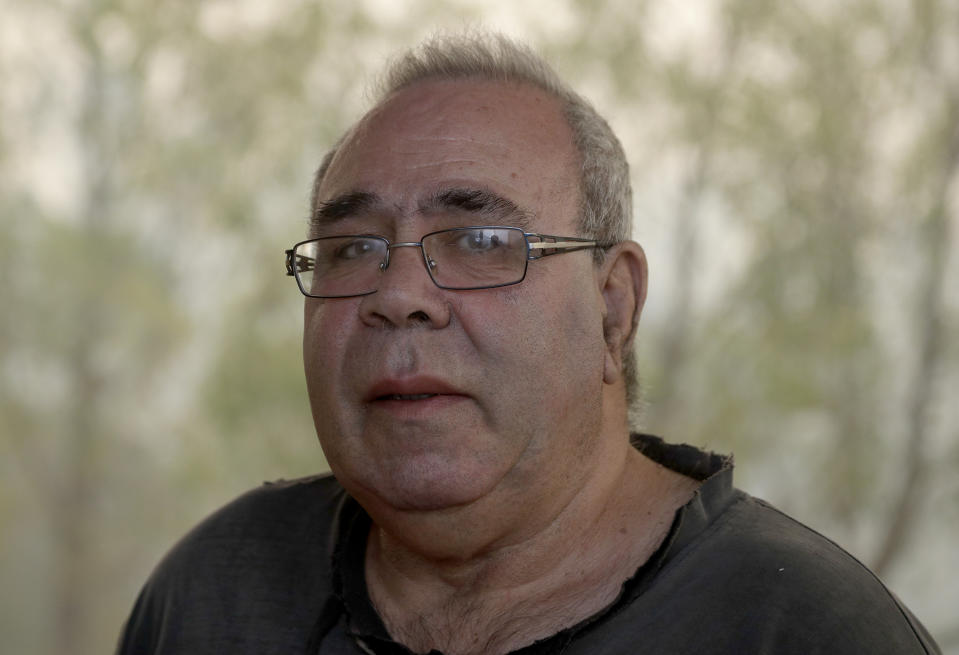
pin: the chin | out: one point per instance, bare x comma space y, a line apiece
431, 485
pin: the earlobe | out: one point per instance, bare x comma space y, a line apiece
624, 292
613, 364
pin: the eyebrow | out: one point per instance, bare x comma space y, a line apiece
491, 206
344, 206
478, 201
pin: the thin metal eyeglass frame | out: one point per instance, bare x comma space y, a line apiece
549, 245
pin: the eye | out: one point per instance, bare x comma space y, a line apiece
355, 249
480, 240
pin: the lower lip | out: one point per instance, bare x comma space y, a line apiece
419, 408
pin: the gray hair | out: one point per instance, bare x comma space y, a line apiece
606, 210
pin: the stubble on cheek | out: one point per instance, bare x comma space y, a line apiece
323, 337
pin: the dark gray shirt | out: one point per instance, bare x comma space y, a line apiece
280, 570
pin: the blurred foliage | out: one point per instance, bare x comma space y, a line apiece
795, 169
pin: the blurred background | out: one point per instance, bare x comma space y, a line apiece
796, 171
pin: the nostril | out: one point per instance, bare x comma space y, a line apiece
420, 316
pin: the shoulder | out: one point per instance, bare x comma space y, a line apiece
278, 523
272, 510
275, 519
768, 579
769, 550
736, 575
261, 561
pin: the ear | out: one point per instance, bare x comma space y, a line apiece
623, 279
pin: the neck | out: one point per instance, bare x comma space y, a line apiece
477, 579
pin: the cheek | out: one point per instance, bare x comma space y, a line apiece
548, 343
324, 339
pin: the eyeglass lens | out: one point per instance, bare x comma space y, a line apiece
459, 258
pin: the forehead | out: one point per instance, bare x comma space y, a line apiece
511, 140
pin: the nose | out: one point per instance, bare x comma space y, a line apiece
406, 296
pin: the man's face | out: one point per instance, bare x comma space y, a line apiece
425, 398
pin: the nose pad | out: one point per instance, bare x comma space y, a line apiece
431, 264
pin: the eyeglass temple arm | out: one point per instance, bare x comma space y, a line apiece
301, 263
547, 248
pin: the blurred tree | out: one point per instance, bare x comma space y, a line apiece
821, 150
799, 158
930, 177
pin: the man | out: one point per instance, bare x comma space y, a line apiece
472, 297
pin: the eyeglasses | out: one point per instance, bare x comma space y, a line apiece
461, 258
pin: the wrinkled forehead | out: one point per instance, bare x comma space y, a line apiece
507, 139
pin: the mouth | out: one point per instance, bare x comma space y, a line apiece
415, 390
405, 405
406, 396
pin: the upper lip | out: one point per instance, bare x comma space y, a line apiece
410, 386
